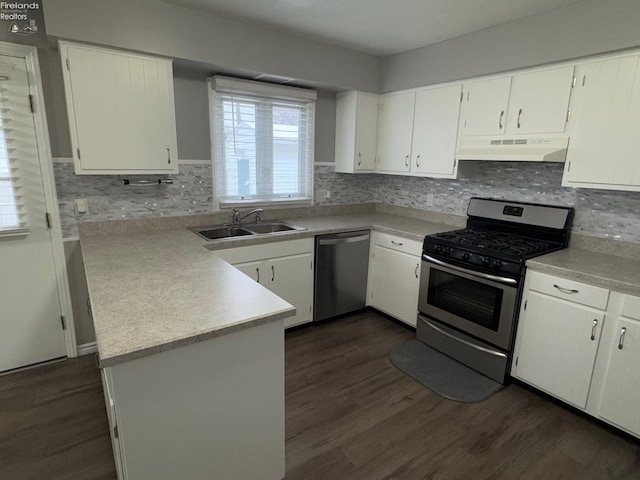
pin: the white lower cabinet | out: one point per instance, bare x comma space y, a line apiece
285, 268
581, 344
394, 276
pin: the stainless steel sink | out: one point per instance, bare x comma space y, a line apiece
271, 227
219, 232
223, 231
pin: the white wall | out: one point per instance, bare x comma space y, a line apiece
162, 29
578, 30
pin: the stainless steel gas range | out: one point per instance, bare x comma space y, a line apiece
472, 279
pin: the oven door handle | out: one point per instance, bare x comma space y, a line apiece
495, 278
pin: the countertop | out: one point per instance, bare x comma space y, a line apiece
608, 271
154, 291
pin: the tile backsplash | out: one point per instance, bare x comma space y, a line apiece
599, 213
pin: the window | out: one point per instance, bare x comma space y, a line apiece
11, 214
263, 142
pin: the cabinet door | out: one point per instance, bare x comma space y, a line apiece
605, 125
395, 281
291, 278
396, 131
557, 345
366, 131
539, 101
435, 131
121, 111
255, 270
620, 403
485, 107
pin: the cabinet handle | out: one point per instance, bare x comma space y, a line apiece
416, 270
565, 290
399, 244
169, 155
258, 274
500, 119
621, 341
359, 158
418, 161
519, 114
273, 273
406, 160
593, 329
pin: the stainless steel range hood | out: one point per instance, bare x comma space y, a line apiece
535, 149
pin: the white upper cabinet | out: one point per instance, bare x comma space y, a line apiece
485, 107
356, 131
418, 132
605, 125
396, 132
539, 101
121, 111
435, 132
522, 104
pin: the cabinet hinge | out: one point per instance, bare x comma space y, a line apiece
47, 218
311, 264
115, 431
455, 160
584, 80
68, 64
569, 167
33, 109
78, 152
310, 309
568, 116
468, 96
62, 321
461, 96
525, 304
517, 358
573, 82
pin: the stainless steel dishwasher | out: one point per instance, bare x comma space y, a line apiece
342, 262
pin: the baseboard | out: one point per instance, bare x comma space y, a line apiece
87, 348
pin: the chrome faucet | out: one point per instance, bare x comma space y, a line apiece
237, 218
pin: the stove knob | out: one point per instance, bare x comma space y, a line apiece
497, 264
466, 256
438, 249
486, 261
447, 251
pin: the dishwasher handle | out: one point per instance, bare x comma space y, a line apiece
343, 240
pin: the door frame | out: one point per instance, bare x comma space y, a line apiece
30, 55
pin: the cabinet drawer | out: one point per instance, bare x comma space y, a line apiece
397, 243
631, 307
570, 290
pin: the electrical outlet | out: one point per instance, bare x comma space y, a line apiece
81, 204
328, 194
429, 199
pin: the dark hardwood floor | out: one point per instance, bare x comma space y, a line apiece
349, 415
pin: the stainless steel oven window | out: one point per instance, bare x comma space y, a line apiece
464, 298
452, 307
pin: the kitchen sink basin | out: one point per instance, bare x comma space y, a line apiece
271, 227
219, 232
215, 233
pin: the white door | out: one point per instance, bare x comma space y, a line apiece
605, 124
291, 278
435, 131
539, 101
485, 107
256, 270
557, 346
396, 132
620, 402
30, 319
395, 284
367, 131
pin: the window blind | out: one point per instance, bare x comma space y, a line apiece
12, 117
263, 142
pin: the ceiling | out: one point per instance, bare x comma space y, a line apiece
379, 27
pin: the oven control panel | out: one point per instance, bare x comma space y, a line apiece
463, 257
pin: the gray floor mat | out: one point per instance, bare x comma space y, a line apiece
442, 374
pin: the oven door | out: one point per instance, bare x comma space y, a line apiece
476, 303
